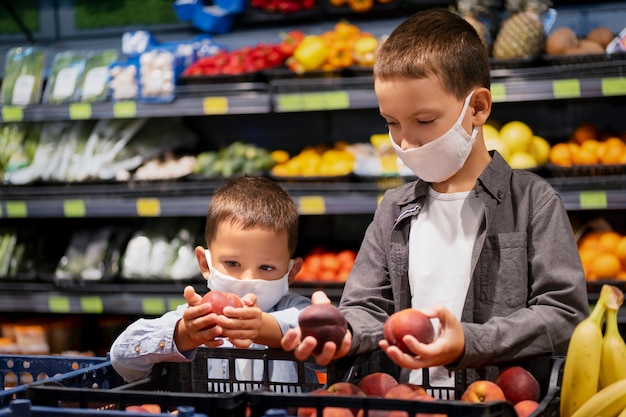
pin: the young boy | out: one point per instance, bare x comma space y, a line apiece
251, 235
486, 251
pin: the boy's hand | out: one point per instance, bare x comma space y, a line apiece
292, 340
198, 325
242, 325
445, 349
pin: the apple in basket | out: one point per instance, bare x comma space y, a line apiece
325, 323
219, 300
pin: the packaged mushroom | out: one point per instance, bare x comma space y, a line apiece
123, 80
157, 75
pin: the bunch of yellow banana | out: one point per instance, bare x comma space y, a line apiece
594, 374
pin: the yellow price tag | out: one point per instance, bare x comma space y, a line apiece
337, 100
498, 92
74, 208
80, 111
566, 88
312, 205
614, 86
91, 305
59, 304
12, 114
215, 105
153, 306
16, 209
173, 303
148, 207
124, 109
593, 200
290, 102
313, 101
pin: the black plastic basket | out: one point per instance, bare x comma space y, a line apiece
195, 376
100, 388
547, 370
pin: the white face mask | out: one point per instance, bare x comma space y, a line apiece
268, 292
440, 159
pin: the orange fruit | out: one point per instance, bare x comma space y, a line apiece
611, 156
606, 265
609, 240
313, 263
590, 240
346, 257
560, 154
584, 157
584, 132
330, 262
620, 250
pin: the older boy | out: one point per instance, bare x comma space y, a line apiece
486, 251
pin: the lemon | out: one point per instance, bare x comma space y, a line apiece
498, 145
516, 135
490, 132
540, 149
522, 160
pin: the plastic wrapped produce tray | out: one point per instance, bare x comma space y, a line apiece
37, 367
547, 370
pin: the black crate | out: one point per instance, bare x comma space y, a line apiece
195, 376
547, 370
100, 388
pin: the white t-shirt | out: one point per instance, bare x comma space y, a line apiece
440, 253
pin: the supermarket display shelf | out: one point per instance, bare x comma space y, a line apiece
147, 298
293, 94
190, 198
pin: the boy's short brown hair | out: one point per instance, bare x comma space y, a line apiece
436, 42
253, 202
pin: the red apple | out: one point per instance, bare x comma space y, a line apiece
136, 409
483, 391
345, 388
325, 323
377, 384
219, 300
408, 321
518, 384
406, 391
525, 408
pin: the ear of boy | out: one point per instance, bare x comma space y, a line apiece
297, 265
481, 106
202, 262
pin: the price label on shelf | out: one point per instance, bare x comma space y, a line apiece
566, 88
173, 303
593, 200
498, 92
59, 304
12, 114
148, 207
80, 111
312, 205
614, 86
16, 209
124, 109
91, 305
329, 100
74, 208
215, 105
153, 306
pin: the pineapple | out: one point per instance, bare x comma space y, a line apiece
474, 11
521, 35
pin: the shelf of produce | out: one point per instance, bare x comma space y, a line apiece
165, 199
200, 99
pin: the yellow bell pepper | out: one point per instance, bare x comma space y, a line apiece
311, 52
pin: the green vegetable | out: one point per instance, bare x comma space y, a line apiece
93, 84
67, 69
23, 76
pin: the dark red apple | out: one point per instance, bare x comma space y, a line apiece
325, 323
408, 322
377, 384
219, 300
518, 384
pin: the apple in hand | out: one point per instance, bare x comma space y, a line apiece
525, 408
377, 384
325, 323
219, 300
483, 391
518, 384
408, 322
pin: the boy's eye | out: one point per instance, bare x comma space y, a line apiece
231, 264
391, 124
266, 268
425, 122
